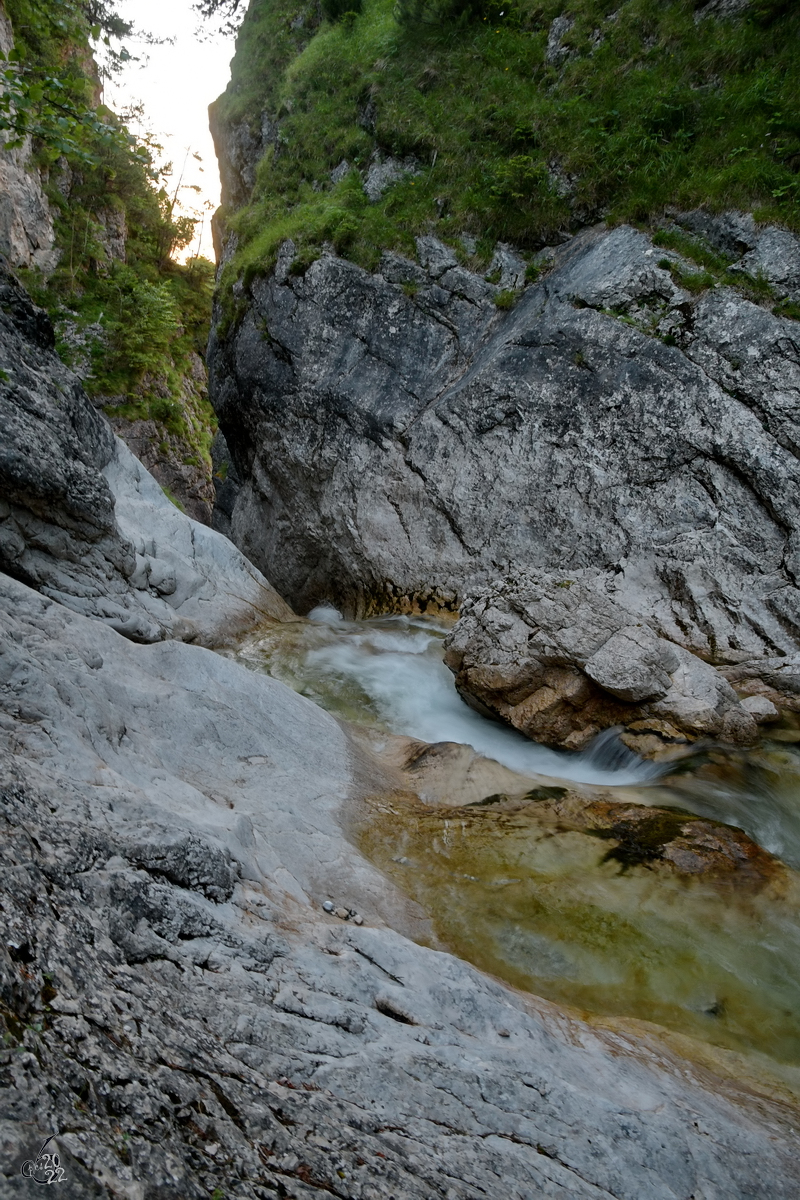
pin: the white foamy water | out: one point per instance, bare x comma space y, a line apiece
388, 671
396, 662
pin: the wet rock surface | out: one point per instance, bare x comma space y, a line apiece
657, 838
182, 1013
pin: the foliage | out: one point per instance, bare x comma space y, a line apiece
46, 90
226, 12
130, 318
648, 106
716, 268
506, 299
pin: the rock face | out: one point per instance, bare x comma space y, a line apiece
182, 1014
172, 462
419, 446
27, 235
563, 658
401, 443
83, 522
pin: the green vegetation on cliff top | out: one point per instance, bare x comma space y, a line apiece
648, 104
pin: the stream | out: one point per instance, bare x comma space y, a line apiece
545, 905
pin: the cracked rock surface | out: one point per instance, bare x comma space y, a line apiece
183, 1015
562, 659
403, 442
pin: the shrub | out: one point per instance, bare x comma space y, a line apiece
338, 10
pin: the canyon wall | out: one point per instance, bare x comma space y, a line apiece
181, 1012
403, 444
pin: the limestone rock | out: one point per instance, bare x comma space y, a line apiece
239, 149
563, 659
383, 172
508, 266
760, 708
398, 443
112, 233
776, 257
178, 1036
633, 665
84, 523
174, 461
226, 485
557, 53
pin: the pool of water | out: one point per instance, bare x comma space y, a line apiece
541, 904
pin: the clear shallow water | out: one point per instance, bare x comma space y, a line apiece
389, 671
540, 904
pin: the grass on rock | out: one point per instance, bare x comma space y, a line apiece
648, 104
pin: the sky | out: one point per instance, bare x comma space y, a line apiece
176, 83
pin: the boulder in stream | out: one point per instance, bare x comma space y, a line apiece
563, 658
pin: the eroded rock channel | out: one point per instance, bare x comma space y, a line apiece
181, 1011
596, 879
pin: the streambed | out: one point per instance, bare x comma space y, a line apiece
522, 890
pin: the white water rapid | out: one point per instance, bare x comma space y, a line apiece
394, 664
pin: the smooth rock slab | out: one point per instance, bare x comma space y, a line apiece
83, 522
181, 1041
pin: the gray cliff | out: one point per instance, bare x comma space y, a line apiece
180, 1014
83, 522
402, 442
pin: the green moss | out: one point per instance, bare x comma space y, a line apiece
173, 499
692, 248
693, 281
641, 839
538, 793
787, 308
717, 269
660, 110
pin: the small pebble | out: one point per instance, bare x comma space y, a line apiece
341, 913
328, 906
503, 1033
358, 920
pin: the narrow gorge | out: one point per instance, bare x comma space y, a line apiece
400, 693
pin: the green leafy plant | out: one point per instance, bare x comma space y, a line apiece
647, 109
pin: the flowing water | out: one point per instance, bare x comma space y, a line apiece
388, 672
526, 895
